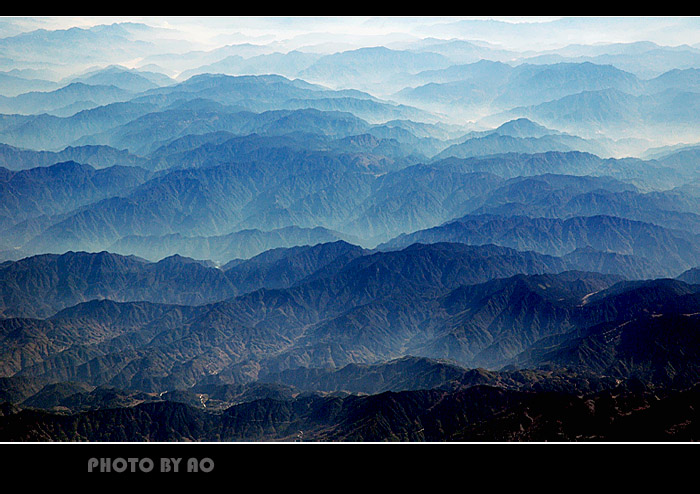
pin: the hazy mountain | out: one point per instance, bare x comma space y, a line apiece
275, 186
369, 110
134, 81
284, 267
448, 97
682, 159
564, 196
670, 250
368, 67
522, 127
199, 150
184, 61
222, 248
113, 43
416, 196
172, 124
481, 72
646, 60
258, 93
286, 64
615, 112
13, 84
681, 79
96, 156
43, 285
493, 86
60, 188
349, 229
461, 51
503, 144
535, 84
691, 276
46, 102
647, 175
47, 132
210, 201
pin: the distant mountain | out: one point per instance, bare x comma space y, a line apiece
502, 144
348, 191
596, 109
564, 196
414, 197
285, 64
492, 87
48, 132
647, 175
681, 159
369, 110
691, 276
46, 102
367, 67
230, 95
268, 189
644, 59
480, 72
461, 51
523, 128
629, 266
134, 81
174, 124
126, 80
285, 267
13, 84
43, 285
511, 165
369, 143
446, 97
613, 111
60, 188
258, 93
97, 156
115, 43
411, 135
221, 147
218, 200
669, 250
535, 84
681, 79
222, 248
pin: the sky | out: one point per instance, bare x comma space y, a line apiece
512, 32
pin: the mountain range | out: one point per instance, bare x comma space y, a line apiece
349, 229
